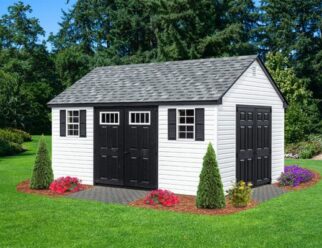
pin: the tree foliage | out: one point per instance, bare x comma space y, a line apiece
302, 116
210, 190
42, 174
293, 28
71, 64
27, 77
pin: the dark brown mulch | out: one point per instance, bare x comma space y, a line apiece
24, 188
187, 204
316, 178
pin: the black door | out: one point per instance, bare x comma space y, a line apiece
109, 142
126, 147
253, 144
140, 148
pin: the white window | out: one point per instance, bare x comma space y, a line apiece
139, 117
186, 123
72, 123
110, 118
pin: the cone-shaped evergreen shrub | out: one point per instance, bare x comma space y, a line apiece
210, 190
42, 174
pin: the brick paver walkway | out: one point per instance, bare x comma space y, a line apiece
124, 196
110, 194
266, 192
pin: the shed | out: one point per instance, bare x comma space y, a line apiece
148, 125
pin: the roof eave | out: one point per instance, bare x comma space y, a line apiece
151, 103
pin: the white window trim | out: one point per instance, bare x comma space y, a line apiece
110, 112
140, 112
194, 125
67, 123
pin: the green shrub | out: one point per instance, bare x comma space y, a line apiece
241, 194
9, 148
210, 190
309, 149
306, 149
10, 136
24, 135
42, 174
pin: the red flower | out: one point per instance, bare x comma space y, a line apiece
63, 184
164, 197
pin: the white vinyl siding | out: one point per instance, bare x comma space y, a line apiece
180, 161
252, 88
73, 155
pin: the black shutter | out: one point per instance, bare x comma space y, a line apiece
172, 124
82, 123
200, 124
62, 120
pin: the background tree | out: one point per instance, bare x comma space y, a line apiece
26, 59
71, 64
294, 28
12, 102
302, 116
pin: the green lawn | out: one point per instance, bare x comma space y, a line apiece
292, 220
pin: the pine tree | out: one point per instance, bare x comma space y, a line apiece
210, 190
293, 28
42, 174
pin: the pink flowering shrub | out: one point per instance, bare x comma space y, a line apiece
64, 184
161, 196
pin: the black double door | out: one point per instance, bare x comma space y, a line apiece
253, 144
125, 149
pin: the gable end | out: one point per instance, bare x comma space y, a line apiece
271, 80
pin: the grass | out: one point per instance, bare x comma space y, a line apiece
291, 220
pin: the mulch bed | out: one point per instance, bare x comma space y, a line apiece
316, 178
24, 188
187, 204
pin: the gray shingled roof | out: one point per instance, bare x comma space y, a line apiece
189, 80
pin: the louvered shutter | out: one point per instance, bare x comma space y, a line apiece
172, 124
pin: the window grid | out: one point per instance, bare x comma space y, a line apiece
139, 117
73, 123
109, 118
186, 123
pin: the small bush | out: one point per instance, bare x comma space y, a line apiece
164, 197
294, 175
310, 149
210, 192
305, 149
8, 135
24, 135
42, 174
66, 184
241, 194
9, 148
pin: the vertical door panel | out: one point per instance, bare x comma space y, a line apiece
140, 167
263, 145
108, 164
245, 144
253, 154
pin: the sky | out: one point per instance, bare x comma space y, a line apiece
47, 11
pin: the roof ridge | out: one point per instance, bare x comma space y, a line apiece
254, 56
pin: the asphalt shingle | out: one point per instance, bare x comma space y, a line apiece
188, 80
